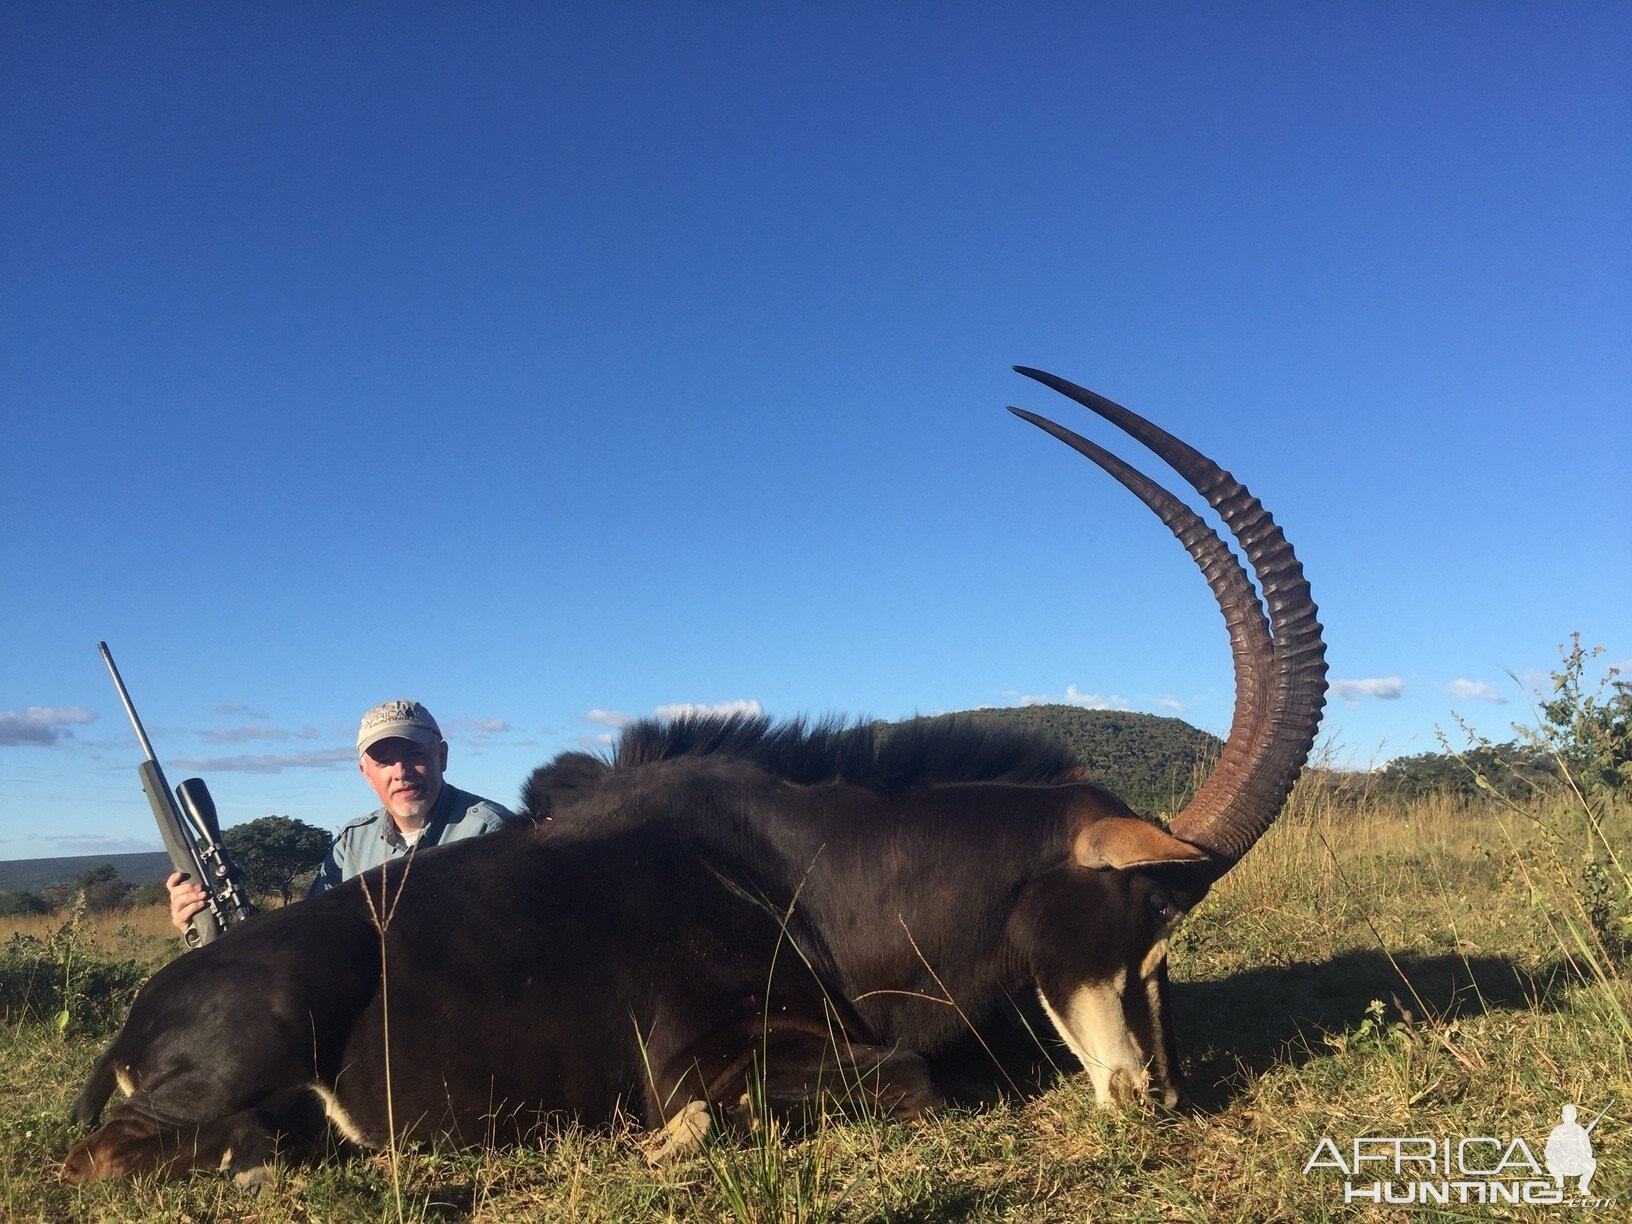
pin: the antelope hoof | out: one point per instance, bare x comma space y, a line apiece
681, 1135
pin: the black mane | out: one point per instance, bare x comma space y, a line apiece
880, 757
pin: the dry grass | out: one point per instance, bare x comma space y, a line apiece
113, 932
1367, 970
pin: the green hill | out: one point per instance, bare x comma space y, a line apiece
1151, 762
32, 875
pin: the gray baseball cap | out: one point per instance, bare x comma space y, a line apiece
398, 720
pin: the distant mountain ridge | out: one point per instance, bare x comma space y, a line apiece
31, 875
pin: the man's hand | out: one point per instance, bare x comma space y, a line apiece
186, 899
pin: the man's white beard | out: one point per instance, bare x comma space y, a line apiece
412, 809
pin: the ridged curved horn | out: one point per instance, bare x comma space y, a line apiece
1250, 647
1280, 669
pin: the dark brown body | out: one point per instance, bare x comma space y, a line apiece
649, 946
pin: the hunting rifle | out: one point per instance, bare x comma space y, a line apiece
194, 840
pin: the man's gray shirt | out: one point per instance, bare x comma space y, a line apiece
371, 840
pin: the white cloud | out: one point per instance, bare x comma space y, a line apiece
238, 707
609, 718
746, 706
41, 726
1474, 690
1075, 697
476, 730
1093, 701
1384, 688
254, 735
267, 764
1170, 703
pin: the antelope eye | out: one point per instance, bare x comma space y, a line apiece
1159, 902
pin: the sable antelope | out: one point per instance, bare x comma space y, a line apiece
729, 909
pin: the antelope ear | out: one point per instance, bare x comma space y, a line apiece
1121, 842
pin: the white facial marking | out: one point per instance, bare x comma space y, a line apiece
1094, 1026
1153, 959
1160, 1072
121, 1076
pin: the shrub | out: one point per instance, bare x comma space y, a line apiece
62, 982
23, 902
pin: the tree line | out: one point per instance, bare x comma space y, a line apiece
1584, 731
277, 854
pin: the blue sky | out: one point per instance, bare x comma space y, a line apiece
557, 364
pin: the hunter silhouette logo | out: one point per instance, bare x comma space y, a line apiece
1430, 1170
1569, 1149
